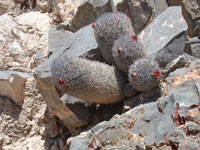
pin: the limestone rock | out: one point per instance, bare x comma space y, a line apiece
44, 5
158, 6
15, 48
39, 20
193, 47
13, 85
7, 22
148, 10
14, 64
5, 5
38, 55
56, 38
191, 14
165, 35
65, 9
86, 12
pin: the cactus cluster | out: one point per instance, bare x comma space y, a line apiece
108, 28
126, 50
102, 83
144, 74
92, 81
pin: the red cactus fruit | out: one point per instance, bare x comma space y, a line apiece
133, 75
119, 51
128, 16
134, 37
94, 25
60, 81
156, 74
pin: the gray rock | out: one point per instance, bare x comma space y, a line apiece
165, 126
79, 44
176, 137
193, 128
148, 10
14, 64
165, 33
141, 98
179, 62
63, 25
142, 127
13, 85
39, 55
15, 48
7, 23
5, 5
88, 11
158, 6
79, 144
172, 50
183, 95
189, 144
152, 113
193, 48
56, 38
191, 13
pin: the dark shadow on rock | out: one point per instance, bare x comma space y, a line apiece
8, 107
142, 98
55, 134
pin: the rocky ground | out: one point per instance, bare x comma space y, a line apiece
32, 30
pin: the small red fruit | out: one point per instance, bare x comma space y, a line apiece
133, 75
60, 81
119, 51
156, 74
94, 25
134, 37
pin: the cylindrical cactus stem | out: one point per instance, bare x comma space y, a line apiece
144, 74
108, 28
126, 50
88, 80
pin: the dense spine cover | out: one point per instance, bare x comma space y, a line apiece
144, 74
88, 80
108, 28
126, 50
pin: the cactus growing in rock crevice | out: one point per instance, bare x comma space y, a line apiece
126, 50
88, 80
144, 74
108, 28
